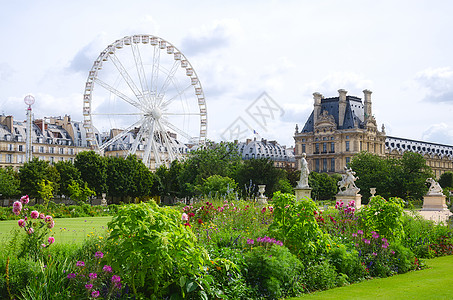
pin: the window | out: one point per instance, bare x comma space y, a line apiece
324, 164
9, 158
71, 151
61, 150
347, 145
324, 147
20, 158
51, 159
348, 160
52, 150
317, 165
10, 147
316, 148
41, 149
303, 148
332, 147
21, 148
332, 165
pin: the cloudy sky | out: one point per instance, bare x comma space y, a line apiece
401, 50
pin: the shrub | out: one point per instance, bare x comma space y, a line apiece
274, 272
320, 276
347, 262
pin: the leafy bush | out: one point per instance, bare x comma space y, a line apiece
273, 273
384, 217
347, 262
153, 250
320, 276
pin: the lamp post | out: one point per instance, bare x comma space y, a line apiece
29, 100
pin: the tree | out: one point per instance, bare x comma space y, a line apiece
31, 174
167, 180
93, 170
45, 191
414, 173
259, 171
324, 187
446, 179
80, 193
212, 159
68, 173
217, 185
9, 182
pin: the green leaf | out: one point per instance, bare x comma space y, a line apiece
182, 281
191, 286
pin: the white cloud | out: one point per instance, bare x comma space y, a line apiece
5, 71
438, 84
439, 133
329, 85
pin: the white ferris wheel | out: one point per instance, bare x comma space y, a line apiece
145, 93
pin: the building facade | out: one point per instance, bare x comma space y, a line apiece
53, 139
340, 127
281, 156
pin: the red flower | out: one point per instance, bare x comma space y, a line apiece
200, 221
187, 224
191, 215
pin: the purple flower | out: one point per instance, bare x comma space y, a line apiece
366, 241
71, 275
95, 294
354, 234
375, 234
34, 214
360, 232
374, 253
88, 286
93, 275
107, 269
99, 254
250, 241
80, 263
385, 245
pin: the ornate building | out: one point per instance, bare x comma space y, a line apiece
281, 156
340, 127
53, 139
337, 129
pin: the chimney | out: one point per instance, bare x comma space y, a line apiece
341, 106
367, 104
8, 122
317, 107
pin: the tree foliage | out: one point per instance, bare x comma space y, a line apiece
404, 178
9, 182
217, 185
324, 186
446, 179
93, 170
68, 173
31, 174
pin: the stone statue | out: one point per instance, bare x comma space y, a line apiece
304, 171
435, 188
347, 182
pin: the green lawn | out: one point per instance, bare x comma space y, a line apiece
66, 230
433, 283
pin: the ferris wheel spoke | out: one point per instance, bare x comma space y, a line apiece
166, 142
121, 135
118, 93
182, 114
179, 131
169, 78
117, 114
140, 69
138, 137
155, 70
166, 103
152, 146
119, 66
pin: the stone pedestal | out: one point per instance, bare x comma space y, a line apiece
434, 202
346, 198
302, 193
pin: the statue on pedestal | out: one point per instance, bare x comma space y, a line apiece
304, 172
347, 183
435, 188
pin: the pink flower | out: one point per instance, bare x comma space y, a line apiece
42, 216
360, 232
51, 240
116, 279
263, 210
51, 224
374, 253
95, 294
93, 275
24, 199
48, 219
185, 217
366, 241
354, 234
21, 223
31, 230
43, 245
107, 269
34, 214
99, 254
80, 263
71, 275
88, 286
17, 207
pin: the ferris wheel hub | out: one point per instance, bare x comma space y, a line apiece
156, 113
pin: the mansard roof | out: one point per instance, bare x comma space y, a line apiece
353, 118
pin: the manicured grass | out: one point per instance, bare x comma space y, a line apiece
433, 283
66, 230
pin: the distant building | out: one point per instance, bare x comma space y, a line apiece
54, 139
340, 127
281, 156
